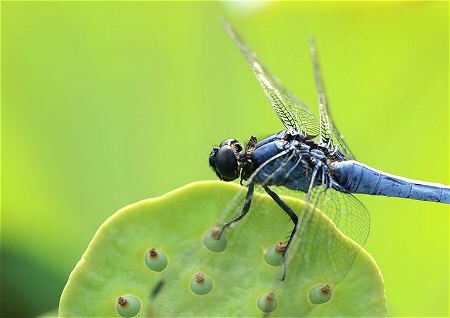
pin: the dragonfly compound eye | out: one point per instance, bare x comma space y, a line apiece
226, 163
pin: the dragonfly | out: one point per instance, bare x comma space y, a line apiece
309, 156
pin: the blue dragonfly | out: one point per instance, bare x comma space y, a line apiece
311, 158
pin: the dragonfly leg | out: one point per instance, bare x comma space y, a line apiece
282, 205
246, 207
286, 209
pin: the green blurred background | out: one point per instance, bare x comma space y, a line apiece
105, 104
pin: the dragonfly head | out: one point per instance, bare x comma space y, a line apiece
224, 160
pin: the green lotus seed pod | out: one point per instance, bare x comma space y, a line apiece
320, 294
109, 268
201, 284
155, 260
128, 306
214, 240
267, 302
274, 254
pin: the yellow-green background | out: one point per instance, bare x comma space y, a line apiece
104, 104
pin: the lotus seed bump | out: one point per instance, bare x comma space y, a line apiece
128, 306
201, 284
267, 303
156, 261
320, 294
215, 240
274, 255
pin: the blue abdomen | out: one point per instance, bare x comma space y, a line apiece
357, 177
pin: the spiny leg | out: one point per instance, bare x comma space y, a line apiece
291, 214
286, 209
246, 207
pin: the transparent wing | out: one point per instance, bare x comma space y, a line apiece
315, 243
292, 112
328, 133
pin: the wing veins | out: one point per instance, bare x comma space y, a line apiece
328, 132
293, 113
